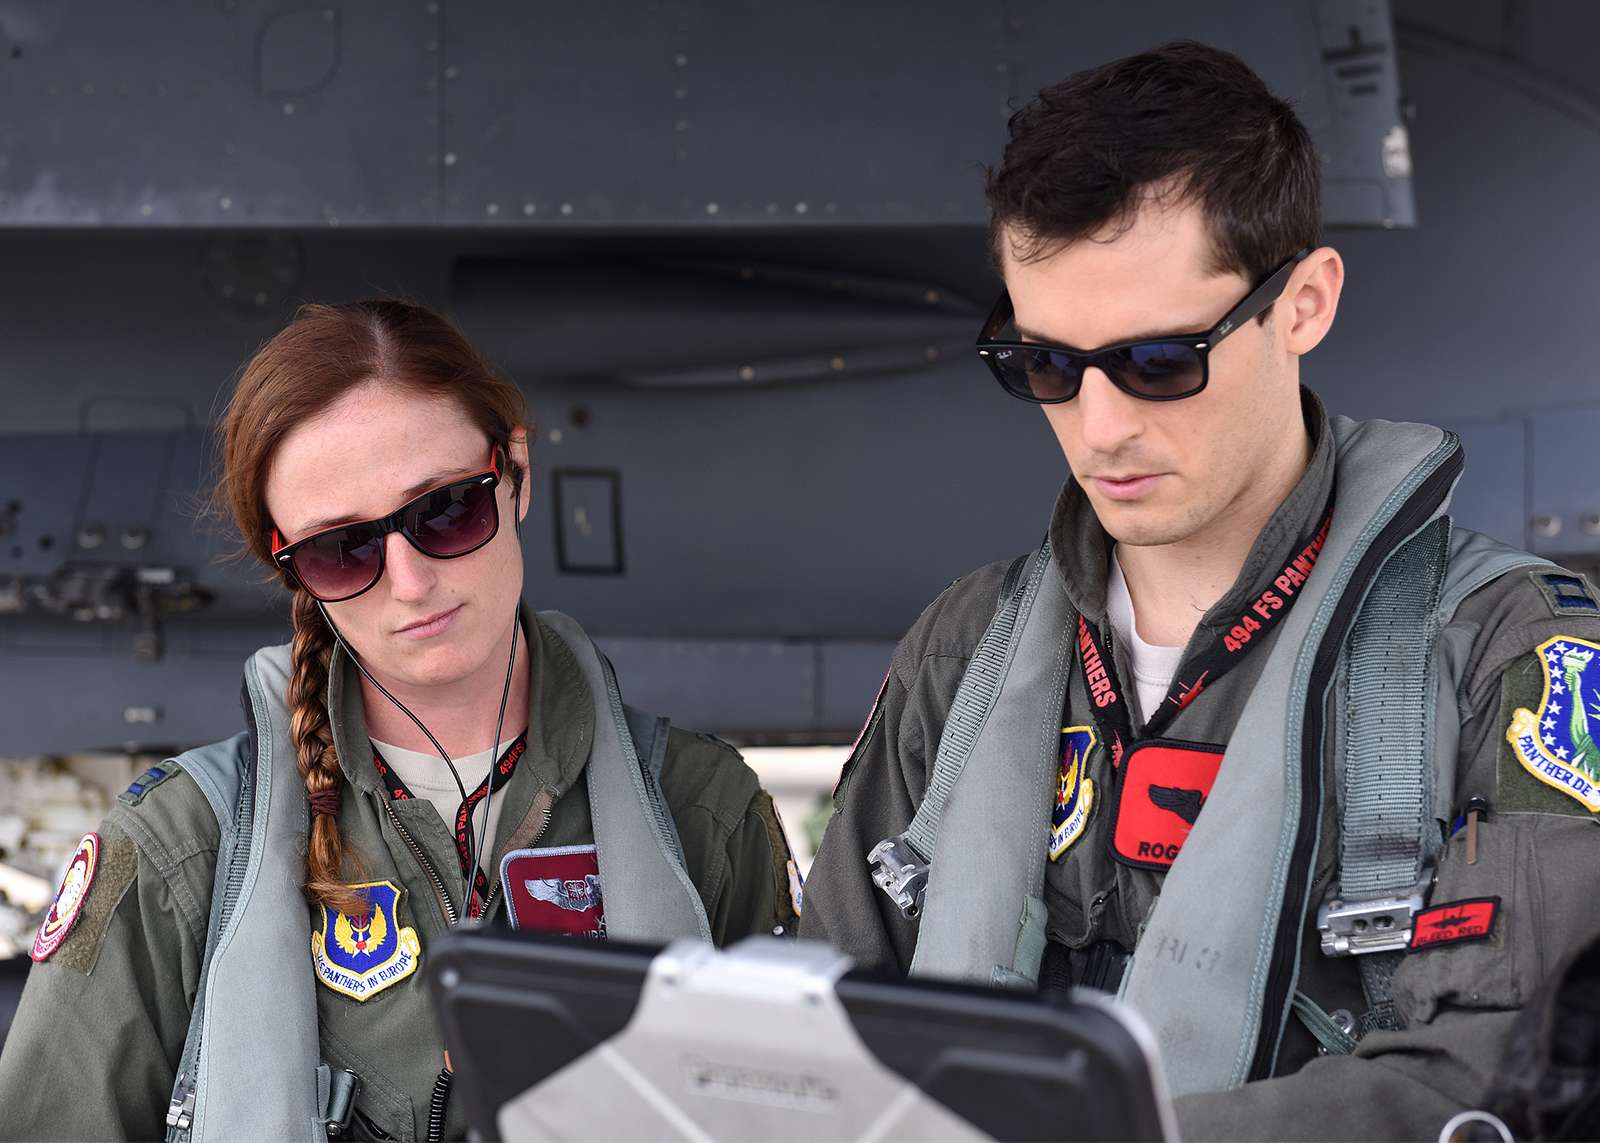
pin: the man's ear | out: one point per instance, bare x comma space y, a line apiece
1311, 299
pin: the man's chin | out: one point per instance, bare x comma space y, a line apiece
1142, 524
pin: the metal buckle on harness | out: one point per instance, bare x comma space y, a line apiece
1377, 925
898, 869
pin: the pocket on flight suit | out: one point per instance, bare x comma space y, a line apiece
1535, 865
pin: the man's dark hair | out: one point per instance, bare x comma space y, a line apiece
1185, 119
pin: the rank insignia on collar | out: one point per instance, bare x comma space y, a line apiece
362, 955
555, 890
1556, 743
64, 911
1074, 790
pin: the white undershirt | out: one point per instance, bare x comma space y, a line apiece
1153, 666
427, 777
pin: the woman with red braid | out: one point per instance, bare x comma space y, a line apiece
426, 750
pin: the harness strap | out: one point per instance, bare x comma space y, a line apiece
900, 864
1387, 838
979, 687
1388, 781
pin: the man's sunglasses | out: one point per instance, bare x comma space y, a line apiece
1157, 369
341, 562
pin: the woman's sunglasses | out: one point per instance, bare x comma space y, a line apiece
341, 562
1155, 369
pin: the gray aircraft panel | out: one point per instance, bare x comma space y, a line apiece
671, 111
238, 113
352, 112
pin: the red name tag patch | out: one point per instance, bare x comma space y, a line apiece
1164, 786
554, 890
1470, 920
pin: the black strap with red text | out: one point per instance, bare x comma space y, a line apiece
1200, 670
463, 823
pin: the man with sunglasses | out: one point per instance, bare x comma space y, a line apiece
1256, 739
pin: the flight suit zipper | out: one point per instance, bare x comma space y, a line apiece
451, 916
521, 843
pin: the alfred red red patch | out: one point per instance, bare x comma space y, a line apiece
1163, 787
1469, 920
555, 890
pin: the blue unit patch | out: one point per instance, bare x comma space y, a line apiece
1556, 743
1074, 790
362, 955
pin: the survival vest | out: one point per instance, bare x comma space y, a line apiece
251, 1065
1391, 573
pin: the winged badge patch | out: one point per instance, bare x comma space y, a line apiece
556, 889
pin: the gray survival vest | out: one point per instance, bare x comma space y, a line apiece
1369, 621
251, 1066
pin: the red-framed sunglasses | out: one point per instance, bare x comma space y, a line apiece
341, 562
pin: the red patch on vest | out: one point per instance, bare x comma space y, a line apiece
1162, 789
554, 890
1457, 921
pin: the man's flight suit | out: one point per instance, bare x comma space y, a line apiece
1537, 848
95, 1045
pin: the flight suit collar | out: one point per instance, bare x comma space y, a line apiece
560, 720
1083, 548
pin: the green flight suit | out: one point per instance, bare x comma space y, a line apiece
1537, 850
94, 1048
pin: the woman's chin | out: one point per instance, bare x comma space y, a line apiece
432, 667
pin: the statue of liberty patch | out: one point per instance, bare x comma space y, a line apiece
1074, 790
362, 955
1556, 743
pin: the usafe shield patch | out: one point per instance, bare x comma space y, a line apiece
1075, 792
554, 890
360, 956
1556, 743
1452, 923
1165, 784
67, 906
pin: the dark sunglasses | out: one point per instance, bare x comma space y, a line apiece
1156, 369
341, 562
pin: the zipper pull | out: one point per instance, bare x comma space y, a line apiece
180, 1111
1477, 807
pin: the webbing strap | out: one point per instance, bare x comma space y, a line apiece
975, 698
1388, 765
1335, 1038
1388, 776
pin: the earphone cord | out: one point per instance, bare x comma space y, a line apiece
488, 801
466, 890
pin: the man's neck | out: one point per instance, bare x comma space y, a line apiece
461, 714
1172, 586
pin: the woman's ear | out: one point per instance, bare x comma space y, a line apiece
522, 473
